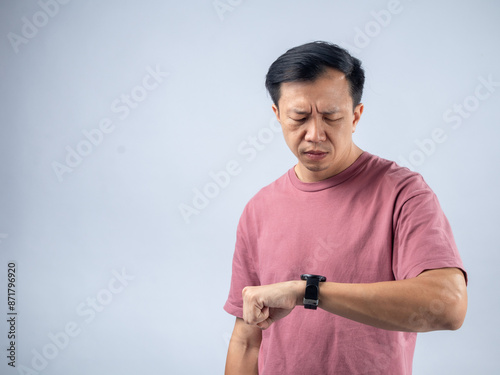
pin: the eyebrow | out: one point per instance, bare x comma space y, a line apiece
301, 112
331, 111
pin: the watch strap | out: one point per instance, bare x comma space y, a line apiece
311, 296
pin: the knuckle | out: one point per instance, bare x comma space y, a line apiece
247, 292
244, 291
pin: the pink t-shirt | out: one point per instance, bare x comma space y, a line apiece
375, 221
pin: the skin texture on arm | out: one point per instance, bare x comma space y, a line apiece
434, 300
243, 352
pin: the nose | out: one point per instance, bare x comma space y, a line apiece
315, 131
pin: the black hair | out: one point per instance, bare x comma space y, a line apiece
308, 62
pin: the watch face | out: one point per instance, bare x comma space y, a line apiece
309, 276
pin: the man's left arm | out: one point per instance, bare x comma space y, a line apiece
434, 300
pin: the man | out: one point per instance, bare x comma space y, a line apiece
373, 229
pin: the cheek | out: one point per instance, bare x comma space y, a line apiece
343, 131
293, 142
293, 136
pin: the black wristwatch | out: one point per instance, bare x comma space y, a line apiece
311, 299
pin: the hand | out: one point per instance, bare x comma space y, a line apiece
263, 305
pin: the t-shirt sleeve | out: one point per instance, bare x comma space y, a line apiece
423, 238
243, 270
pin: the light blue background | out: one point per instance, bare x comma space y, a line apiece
118, 210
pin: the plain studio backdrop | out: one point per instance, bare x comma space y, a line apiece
134, 132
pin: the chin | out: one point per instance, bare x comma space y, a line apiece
316, 167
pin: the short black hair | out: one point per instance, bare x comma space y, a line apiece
308, 62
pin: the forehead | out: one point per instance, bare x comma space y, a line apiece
329, 90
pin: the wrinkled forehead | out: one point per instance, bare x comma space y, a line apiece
327, 94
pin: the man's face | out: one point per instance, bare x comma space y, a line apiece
318, 120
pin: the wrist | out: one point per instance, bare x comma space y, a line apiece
299, 288
311, 295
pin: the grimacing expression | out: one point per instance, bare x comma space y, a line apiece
318, 119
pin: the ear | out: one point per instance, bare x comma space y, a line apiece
276, 112
358, 111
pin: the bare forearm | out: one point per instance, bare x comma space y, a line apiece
242, 360
417, 305
243, 351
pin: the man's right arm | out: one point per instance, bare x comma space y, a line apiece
243, 352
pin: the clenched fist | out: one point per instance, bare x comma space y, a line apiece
263, 305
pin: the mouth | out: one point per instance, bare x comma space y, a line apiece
315, 154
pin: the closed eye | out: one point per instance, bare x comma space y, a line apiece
298, 119
334, 119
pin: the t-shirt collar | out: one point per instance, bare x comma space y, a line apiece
339, 178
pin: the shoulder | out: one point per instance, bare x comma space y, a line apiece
278, 186
392, 176
268, 196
